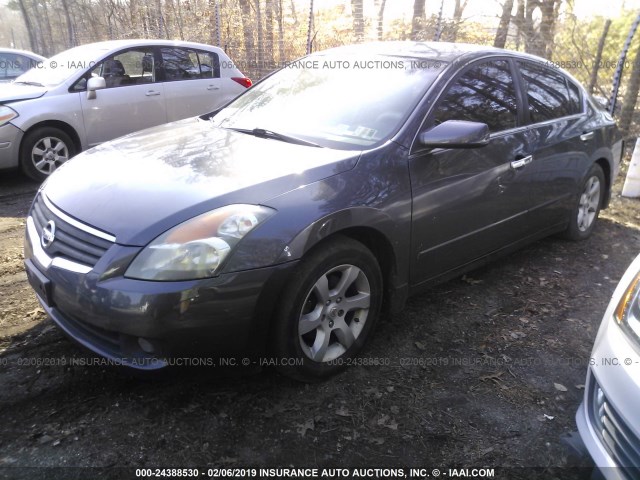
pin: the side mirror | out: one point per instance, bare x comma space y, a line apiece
456, 134
93, 84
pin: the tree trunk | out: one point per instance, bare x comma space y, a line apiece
380, 28
268, 24
281, 55
503, 29
358, 19
631, 95
598, 59
519, 22
417, 24
549, 10
260, 35
49, 44
27, 22
247, 27
457, 19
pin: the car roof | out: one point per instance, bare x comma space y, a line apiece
117, 44
26, 53
441, 51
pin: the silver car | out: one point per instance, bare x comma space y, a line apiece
97, 92
608, 419
14, 63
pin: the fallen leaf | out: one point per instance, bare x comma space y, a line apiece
560, 387
304, 427
343, 411
421, 346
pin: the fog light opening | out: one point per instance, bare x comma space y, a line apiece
146, 345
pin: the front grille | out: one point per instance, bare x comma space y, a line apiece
622, 444
70, 242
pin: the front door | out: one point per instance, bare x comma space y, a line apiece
464, 202
132, 101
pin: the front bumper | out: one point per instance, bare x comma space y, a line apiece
608, 419
10, 138
148, 325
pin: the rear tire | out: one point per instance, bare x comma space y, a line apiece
585, 212
43, 150
327, 311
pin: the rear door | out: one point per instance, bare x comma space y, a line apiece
191, 82
465, 205
562, 140
132, 101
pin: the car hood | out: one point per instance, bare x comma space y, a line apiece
14, 92
140, 185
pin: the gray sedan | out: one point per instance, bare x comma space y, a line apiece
281, 226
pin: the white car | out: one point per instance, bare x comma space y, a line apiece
14, 63
609, 418
97, 92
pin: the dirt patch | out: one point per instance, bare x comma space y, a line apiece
485, 370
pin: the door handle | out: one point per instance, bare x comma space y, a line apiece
152, 93
521, 162
213, 87
586, 136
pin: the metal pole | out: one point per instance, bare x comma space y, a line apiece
617, 76
310, 25
217, 13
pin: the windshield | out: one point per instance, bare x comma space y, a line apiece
58, 68
344, 103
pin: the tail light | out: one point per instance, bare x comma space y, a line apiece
244, 81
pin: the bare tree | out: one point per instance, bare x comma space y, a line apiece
247, 28
358, 19
268, 27
596, 63
418, 21
503, 28
27, 21
380, 4
631, 95
458, 10
260, 35
280, 19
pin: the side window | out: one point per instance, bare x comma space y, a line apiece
133, 67
574, 95
485, 93
179, 64
547, 92
12, 65
209, 64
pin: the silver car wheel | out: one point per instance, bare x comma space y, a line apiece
588, 205
334, 313
48, 154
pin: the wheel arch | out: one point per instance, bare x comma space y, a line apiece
65, 127
606, 169
376, 235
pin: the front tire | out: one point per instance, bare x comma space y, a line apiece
44, 150
585, 212
328, 310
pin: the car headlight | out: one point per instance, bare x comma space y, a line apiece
6, 114
196, 248
627, 313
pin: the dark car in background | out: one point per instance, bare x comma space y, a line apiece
283, 224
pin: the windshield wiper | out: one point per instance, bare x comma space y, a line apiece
262, 133
33, 84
